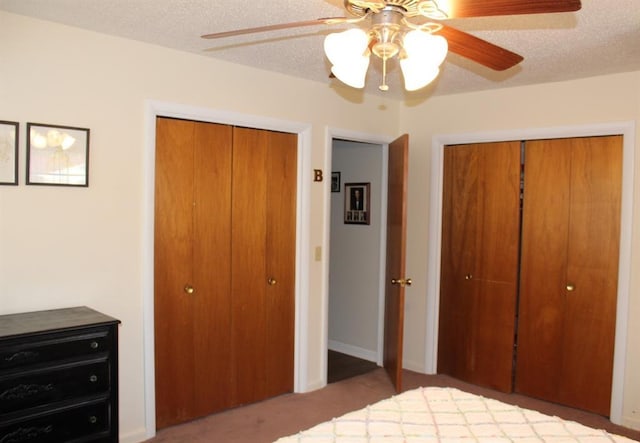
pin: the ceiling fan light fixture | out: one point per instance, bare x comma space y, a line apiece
423, 54
352, 73
341, 47
427, 48
349, 54
415, 76
437, 10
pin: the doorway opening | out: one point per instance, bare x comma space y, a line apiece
357, 258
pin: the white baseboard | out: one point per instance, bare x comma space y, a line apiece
631, 422
413, 366
135, 437
355, 351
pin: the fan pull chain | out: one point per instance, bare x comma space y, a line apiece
384, 86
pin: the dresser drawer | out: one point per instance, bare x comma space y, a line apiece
59, 377
57, 348
87, 423
52, 384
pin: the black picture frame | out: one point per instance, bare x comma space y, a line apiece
9, 135
357, 200
335, 181
57, 155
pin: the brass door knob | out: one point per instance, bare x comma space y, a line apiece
401, 281
571, 287
272, 281
468, 276
189, 289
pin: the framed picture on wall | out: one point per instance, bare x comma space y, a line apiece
8, 153
57, 155
335, 182
356, 203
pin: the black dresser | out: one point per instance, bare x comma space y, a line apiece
58, 377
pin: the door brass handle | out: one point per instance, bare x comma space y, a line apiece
189, 289
468, 277
571, 287
272, 281
401, 281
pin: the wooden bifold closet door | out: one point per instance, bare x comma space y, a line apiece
479, 265
570, 247
224, 267
529, 290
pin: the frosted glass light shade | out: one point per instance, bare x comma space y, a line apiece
431, 49
347, 52
417, 77
344, 46
424, 54
352, 73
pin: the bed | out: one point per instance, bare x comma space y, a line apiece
447, 415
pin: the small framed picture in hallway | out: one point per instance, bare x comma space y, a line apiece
356, 203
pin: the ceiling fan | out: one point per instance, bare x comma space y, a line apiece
397, 29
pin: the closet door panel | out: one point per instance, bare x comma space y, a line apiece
211, 306
570, 270
491, 361
248, 263
459, 238
499, 215
592, 269
479, 262
545, 231
174, 346
497, 265
280, 264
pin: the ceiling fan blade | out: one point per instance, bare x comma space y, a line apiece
479, 50
319, 21
485, 8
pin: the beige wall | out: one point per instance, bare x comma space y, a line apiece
67, 246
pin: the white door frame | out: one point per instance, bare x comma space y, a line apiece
627, 130
154, 109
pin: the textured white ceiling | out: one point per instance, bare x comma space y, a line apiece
602, 38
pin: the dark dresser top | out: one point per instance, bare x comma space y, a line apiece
14, 325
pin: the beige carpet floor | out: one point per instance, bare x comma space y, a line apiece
268, 420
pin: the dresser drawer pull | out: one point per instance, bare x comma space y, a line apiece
26, 434
23, 391
93, 378
94, 345
93, 419
22, 355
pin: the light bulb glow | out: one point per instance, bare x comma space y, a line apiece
431, 49
67, 141
417, 77
352, 73
343, 46
38, 140
348, 53
424, 54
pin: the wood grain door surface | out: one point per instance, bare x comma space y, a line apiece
479, 262
224, 225
263, 262
396, 259
192, 331
569, 271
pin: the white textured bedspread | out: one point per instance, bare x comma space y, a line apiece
428, 415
